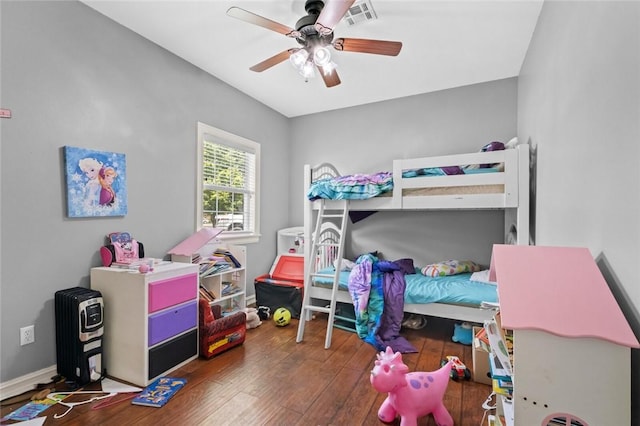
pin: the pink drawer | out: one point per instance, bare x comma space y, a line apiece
169, 292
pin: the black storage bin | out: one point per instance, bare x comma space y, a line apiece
277, 293
283, 285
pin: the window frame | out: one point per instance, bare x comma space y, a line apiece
234, 141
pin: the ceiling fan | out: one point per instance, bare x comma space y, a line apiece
314, 32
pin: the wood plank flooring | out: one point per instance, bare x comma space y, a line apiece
272, 380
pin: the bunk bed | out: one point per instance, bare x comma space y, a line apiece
417, 184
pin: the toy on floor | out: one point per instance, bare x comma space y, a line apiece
463, 333
411, 395
282, 317
458, 369
264, 312
253, 319
217, 332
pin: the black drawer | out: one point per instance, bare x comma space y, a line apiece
171, 353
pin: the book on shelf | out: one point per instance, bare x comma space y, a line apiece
213, 267
206, 294
501, 390
228, 256
229, 288
480, 340
505, 383
203, 295
482, 336
500, 345
497, 369
210, 293
159, 392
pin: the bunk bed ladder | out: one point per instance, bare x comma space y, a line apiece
326, 250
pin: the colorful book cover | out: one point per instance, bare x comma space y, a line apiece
32, 409
498, 344
497, 369
500, 390
159, 392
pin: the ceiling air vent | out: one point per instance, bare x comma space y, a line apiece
360, 12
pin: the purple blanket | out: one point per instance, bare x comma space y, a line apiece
377, 289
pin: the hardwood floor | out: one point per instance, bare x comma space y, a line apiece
272, 380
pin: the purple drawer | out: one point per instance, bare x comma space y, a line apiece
169, 292
167, 324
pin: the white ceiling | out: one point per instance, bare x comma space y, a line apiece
446, 44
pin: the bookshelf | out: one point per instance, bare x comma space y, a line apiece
228, 286
571, 342
222, 268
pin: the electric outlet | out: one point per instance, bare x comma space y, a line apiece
27, 335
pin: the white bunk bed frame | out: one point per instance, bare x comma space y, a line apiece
507, 190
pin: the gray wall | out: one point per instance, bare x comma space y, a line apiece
368, 138
579, 107
73, 77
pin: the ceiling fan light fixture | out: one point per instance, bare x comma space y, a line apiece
314, 33
299, 58
321, 56
307, 70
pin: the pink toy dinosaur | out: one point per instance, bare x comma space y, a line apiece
411, 395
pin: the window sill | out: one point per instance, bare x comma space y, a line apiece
239, 239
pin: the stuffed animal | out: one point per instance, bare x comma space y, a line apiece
264, 312
462, 333
253, 319
411, 395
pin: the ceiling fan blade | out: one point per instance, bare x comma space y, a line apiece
331, 14
274, 60
363, 45
252, 18
330, 78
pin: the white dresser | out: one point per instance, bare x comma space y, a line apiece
151, 320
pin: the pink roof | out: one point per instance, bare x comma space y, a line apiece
559, 290
193, 243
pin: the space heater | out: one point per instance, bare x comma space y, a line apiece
79, 315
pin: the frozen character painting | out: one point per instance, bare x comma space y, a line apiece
107, 194
91, 168
96, 182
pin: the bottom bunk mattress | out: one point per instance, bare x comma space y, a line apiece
456, 289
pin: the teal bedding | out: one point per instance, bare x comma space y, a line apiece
363, 186
452, 289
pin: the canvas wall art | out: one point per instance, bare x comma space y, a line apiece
96, 182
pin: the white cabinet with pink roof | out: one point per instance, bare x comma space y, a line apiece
571, 341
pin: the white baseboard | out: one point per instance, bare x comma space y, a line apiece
251, 300
27, 382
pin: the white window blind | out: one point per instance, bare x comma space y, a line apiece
229, 172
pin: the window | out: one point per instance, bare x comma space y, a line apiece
228, 190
